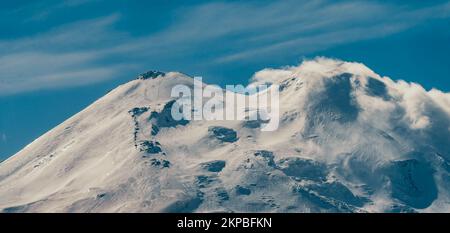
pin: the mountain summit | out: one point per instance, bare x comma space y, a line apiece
348, 140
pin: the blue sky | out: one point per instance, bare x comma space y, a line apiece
56, 57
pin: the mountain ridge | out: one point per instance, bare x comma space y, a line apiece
349, 141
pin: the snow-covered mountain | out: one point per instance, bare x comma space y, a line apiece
349, 140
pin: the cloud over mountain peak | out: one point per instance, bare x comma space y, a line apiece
349, 140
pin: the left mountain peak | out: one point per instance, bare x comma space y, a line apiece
152, 74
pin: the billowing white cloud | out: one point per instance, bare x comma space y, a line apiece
270, 76
416, 106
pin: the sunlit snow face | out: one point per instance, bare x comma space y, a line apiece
236, 102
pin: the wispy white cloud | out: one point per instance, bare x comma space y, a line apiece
46, 10
66, 56
222, 33
73, 36
3, 137
326, 25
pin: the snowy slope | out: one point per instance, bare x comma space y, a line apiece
349, 141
